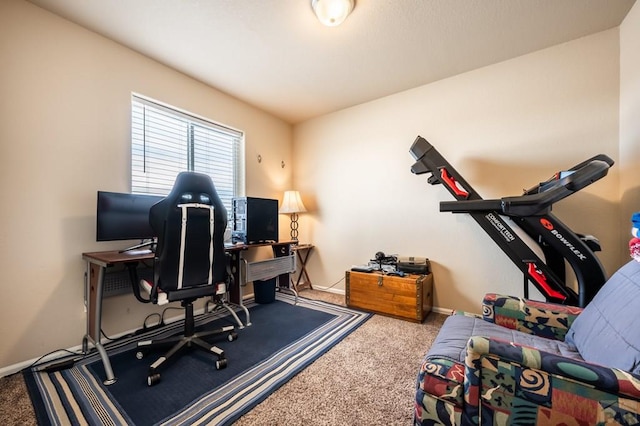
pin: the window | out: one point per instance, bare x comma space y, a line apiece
165, 142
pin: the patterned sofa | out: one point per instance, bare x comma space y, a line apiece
526, 362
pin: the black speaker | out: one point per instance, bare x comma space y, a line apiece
255, 220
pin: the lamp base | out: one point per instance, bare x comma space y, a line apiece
294, 227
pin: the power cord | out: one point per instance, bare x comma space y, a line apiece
160, 323
167, 309
146, 327
336, 283
52, 366
111, 339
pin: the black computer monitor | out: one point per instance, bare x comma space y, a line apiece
124, 216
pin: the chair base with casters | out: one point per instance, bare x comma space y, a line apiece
189, 339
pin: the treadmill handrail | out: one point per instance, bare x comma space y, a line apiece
539, 202
526, 205
552, 182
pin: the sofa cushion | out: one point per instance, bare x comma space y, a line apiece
607, 332
452, 339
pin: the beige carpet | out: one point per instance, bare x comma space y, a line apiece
368, 378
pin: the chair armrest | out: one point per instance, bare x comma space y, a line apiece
548, 320
575, 372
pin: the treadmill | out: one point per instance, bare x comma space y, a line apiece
532, 213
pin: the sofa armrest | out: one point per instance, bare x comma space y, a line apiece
548, 320
540, 364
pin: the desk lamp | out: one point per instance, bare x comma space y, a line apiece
292, 204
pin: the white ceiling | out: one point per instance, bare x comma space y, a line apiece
275, 55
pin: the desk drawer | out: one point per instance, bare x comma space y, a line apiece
409, 297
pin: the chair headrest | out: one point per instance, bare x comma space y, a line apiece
193, 187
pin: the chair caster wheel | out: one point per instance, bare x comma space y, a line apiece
232, 336
153, 379
221, 363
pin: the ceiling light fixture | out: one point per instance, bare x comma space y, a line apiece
332, 12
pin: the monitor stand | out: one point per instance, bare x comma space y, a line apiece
151, 243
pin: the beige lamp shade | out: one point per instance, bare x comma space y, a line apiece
292, 203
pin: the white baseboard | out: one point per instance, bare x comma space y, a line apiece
445, 311
330, 290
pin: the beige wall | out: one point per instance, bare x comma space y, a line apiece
504, 128
65, 133
629, 118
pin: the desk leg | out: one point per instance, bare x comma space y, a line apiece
284, 282
303, 271
93, 294
235, 292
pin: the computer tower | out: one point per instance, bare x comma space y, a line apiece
255, 220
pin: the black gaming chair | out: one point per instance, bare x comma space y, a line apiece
190, 263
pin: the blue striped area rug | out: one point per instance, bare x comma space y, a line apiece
283, 339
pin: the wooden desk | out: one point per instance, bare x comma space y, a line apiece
303, 251
98, 262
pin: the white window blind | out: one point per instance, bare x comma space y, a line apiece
165, 142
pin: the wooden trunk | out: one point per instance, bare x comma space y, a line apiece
409, 297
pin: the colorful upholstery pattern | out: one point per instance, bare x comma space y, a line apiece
542, 319
520, 385
444, 378
505, 383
